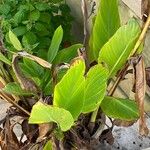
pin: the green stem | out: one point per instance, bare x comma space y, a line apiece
94, 115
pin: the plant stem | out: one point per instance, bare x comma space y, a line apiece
142, 35
2, 81
5, 97
94, 115
5, 75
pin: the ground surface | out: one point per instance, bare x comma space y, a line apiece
125, 138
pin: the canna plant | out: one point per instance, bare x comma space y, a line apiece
66, 93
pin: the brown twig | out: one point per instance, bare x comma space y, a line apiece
86, 32
5, 97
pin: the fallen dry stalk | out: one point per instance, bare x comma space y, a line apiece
5, 97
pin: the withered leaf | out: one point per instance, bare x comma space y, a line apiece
40, 61
121, 123
140, 89
2, 140
44, 129
147, 70
145, 9
30, 130
107, 136
11, 140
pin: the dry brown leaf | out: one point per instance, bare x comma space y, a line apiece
107, 136
2, 140
40, 61
140, 89
44, 129
147, 70
145, 8
30, 130
11, 140
121, 123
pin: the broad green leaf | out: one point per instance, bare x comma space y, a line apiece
29, 39
45, 17
106, 24
95, 88
118, 108
69, 92
48, 89
4, 59
20, 16
117, 50
31, 68
65, 55
14, 41
19, 31
42, 113
4, 9
55, 43
42, 6
48, 146
15, 89
34, 15
41, 28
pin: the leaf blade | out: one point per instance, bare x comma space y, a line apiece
118, 108
106, 24
69, 92
42, 113
117, 50
14, 41
56, 40
4, 59
15, 89
65, 55
95, 87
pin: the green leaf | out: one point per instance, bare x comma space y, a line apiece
34, 15
106, 24
42, 6
54, 47
42, 113
14, 41
48, 146
118, 108
4, 59
4, 9
69, 92
48, 89
20, 16
42, 31
117, 50
15, 89
95, 88
29, 39
45, 17
31, 68
66, 54
19, 31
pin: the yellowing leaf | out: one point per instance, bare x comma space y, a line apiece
42, 113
